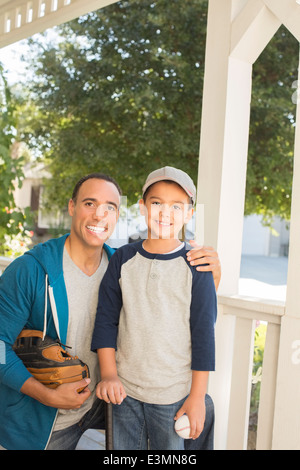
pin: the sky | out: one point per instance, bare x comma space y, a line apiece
10, 57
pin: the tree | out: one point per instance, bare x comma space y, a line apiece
12, 219
272, 128
122, 93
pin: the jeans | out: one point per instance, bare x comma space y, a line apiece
67, 439
134, 422
146, 421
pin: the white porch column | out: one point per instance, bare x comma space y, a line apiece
221, 182
233, 29
286, 431
224, 144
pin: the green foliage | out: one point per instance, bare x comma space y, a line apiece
271, 147
15, 244
259, 347
122, 93
11, 174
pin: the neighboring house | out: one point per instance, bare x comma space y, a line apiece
265, 241
31, 195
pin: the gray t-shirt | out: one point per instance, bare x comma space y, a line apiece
82, 292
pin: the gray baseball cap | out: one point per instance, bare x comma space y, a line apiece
172, 174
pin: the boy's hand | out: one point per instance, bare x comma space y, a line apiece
205, 255
194, 408
111, 390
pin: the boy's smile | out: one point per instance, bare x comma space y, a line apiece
163, 224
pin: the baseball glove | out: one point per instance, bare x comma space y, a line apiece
47, 361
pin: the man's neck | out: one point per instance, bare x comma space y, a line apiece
87, 259
160, 245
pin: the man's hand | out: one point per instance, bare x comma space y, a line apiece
206, 259
65, 396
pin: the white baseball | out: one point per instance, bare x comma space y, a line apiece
182, 427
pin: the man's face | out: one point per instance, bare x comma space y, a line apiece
95, 212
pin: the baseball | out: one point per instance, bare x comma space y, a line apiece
182, 427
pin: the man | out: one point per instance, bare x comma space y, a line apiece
71, 267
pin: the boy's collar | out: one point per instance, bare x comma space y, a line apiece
163, 256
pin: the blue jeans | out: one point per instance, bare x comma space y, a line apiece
67, 439
134, 422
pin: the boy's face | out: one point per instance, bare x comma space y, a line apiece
95, 212
166, 209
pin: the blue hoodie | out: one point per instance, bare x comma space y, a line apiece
25, 423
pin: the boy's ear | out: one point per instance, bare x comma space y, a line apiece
188, 215
142, 207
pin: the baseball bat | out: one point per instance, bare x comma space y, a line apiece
109, 427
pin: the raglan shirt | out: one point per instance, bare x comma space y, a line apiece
159, 313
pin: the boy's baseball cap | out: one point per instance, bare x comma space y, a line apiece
172, 174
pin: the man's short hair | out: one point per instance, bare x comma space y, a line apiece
99, 176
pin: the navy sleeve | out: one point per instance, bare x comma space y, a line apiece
109, 307
203, 318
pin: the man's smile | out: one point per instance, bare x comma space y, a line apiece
97, 229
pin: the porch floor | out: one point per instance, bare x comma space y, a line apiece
92, 439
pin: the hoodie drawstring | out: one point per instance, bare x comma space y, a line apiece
48, 289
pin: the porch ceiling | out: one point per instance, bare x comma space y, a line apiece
20, 19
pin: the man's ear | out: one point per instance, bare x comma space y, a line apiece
118, 215
71, 206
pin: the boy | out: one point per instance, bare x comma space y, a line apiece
154, 329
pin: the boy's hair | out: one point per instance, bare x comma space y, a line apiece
99, 176
168, 182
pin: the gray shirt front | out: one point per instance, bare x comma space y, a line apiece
82, 292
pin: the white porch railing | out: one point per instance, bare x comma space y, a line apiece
247, 311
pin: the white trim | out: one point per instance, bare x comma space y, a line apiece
54, 310
45, 309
